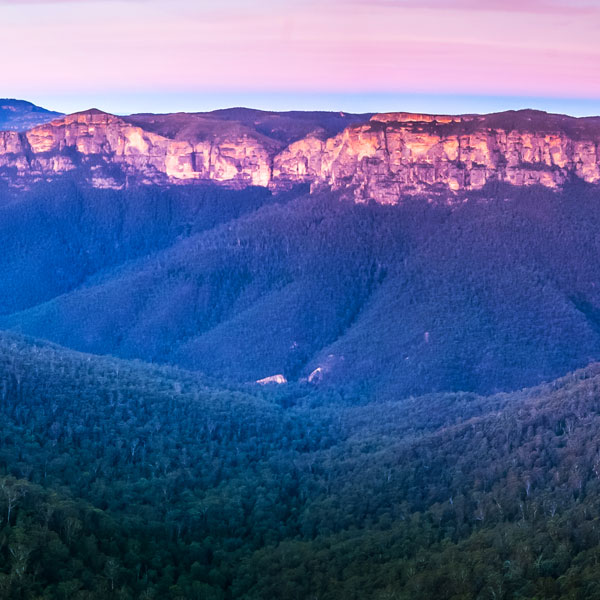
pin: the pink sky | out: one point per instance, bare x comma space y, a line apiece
527, 48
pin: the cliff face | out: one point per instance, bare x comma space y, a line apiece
380, 159
109, 150
395, 154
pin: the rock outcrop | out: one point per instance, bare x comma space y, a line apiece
399, 153
278, 379
378, 159
108, 150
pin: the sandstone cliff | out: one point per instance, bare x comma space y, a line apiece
399, 153
108, 150
379, 158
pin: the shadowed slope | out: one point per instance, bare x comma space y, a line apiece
489, 295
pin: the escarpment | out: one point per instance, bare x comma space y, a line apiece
379, 159
386, 157
109, 152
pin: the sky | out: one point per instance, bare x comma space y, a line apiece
440, 56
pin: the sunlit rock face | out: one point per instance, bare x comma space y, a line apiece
380, 159
100, 142
399, 153
278, 379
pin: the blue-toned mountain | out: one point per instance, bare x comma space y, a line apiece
20, 115
498, 290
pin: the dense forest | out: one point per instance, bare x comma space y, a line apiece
440, 452
125, 480
487, 293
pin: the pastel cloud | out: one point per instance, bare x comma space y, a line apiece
527, 47
56, 2
515, 6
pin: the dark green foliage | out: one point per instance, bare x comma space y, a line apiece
123, 480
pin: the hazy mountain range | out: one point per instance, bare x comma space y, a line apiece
20, 115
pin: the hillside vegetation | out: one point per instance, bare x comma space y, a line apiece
489, 293
123, 480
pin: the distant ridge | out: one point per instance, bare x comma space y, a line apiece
20, 115
381, 158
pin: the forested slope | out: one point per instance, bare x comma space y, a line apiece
488, 293
119, 479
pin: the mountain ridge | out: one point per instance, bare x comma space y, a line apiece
21, 115
377, 157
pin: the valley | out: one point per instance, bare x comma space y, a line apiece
120, 478
245, 385
246, 284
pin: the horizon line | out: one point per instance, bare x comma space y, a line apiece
407, 102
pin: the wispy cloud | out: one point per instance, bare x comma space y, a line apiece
57, 2
515, 6
524, 47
